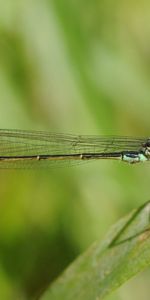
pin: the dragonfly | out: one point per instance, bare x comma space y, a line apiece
40, 149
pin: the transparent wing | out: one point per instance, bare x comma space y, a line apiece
35, 143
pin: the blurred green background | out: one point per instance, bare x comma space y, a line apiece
78, 67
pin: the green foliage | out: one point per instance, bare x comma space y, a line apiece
80, 67
104, 267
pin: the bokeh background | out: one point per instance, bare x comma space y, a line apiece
79, 67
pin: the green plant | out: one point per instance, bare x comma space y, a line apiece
107, 265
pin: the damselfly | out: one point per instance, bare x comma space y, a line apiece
37, 149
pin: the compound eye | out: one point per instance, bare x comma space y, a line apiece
147, 144
147, 149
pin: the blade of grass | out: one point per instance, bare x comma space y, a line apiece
105, 266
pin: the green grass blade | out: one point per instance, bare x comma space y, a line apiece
105, 266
